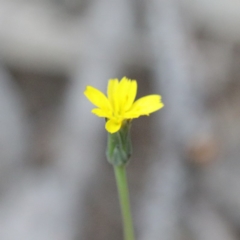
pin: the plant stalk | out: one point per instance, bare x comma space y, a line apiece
123, 193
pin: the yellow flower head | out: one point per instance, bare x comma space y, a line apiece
119, 103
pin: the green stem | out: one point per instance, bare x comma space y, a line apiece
122, 185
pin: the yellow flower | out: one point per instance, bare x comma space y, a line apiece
119, 103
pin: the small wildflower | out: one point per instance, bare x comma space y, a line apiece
119, 104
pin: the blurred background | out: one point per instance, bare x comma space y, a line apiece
184, 176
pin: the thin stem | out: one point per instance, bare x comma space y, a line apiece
122, 185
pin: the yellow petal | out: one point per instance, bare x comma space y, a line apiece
101, 113
131, 95
97, 98
145, 106
112, 88
113, 126
122, 92
125, 94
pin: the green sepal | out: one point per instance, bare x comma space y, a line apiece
119, 146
